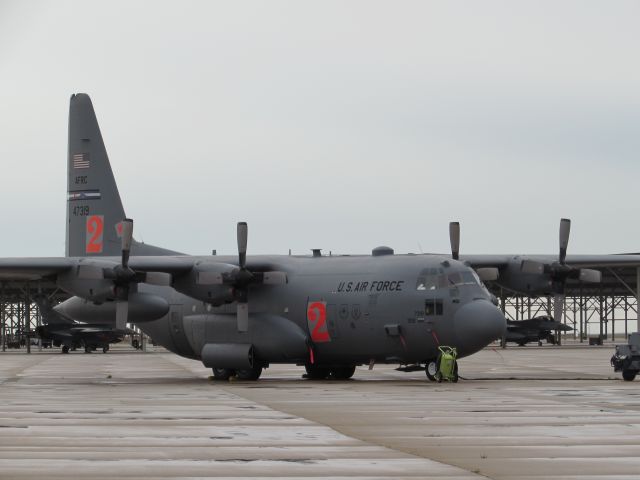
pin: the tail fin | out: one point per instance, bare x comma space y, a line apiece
94, 208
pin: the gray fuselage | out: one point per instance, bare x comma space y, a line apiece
391, 308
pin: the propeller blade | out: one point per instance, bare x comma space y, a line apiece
158, 278
209, 278
122, 314
590, 276
243, 317
454, 238
565, 228
90, 272
127, 239
531, 266
243, 232
274, 278
558, 307
558, 310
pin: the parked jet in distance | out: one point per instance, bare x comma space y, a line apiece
80, 335
536, 329
240, 314
64, 332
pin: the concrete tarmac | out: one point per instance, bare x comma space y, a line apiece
520, 413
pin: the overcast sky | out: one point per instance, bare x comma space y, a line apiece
334, 125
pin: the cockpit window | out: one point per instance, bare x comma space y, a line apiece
430, 279
433, 306
462, 278
435, 278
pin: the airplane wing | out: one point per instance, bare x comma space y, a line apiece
578, 261
27, 269
35, 268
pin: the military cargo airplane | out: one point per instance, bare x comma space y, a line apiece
239, 314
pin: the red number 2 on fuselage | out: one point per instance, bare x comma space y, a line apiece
317, 321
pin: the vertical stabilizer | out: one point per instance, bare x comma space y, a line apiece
94, 208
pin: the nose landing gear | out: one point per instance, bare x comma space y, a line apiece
431, 369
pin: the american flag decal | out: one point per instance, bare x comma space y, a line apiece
81, 160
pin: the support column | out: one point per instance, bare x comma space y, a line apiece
3, 319
27, 318
582, 306
600, 313
626, 317
503, 307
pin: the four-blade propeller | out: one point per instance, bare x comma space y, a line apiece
241, 278
122, 277
559, 272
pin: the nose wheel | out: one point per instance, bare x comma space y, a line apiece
431, 369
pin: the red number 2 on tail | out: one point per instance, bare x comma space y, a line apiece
95, 228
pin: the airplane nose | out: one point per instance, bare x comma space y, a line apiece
477, 324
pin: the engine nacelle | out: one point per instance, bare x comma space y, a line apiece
513, 278
227, 355
143, 307
87, 280
204, 282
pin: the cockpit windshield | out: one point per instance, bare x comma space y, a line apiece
430, 279
462, 278
435, 278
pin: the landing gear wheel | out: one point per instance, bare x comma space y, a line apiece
315, 372
431, 369
105, 349
88, 349
65, 349
222, 373
629, 375
249, 373
135, 344
343, 373
455, 373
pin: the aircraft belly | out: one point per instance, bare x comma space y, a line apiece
274, 338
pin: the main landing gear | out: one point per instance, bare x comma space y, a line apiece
337, 372
241, 374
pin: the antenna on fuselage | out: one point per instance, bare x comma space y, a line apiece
454, 238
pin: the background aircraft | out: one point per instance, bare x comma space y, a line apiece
61, 331
538, 329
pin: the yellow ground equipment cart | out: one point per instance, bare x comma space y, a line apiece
447, 364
